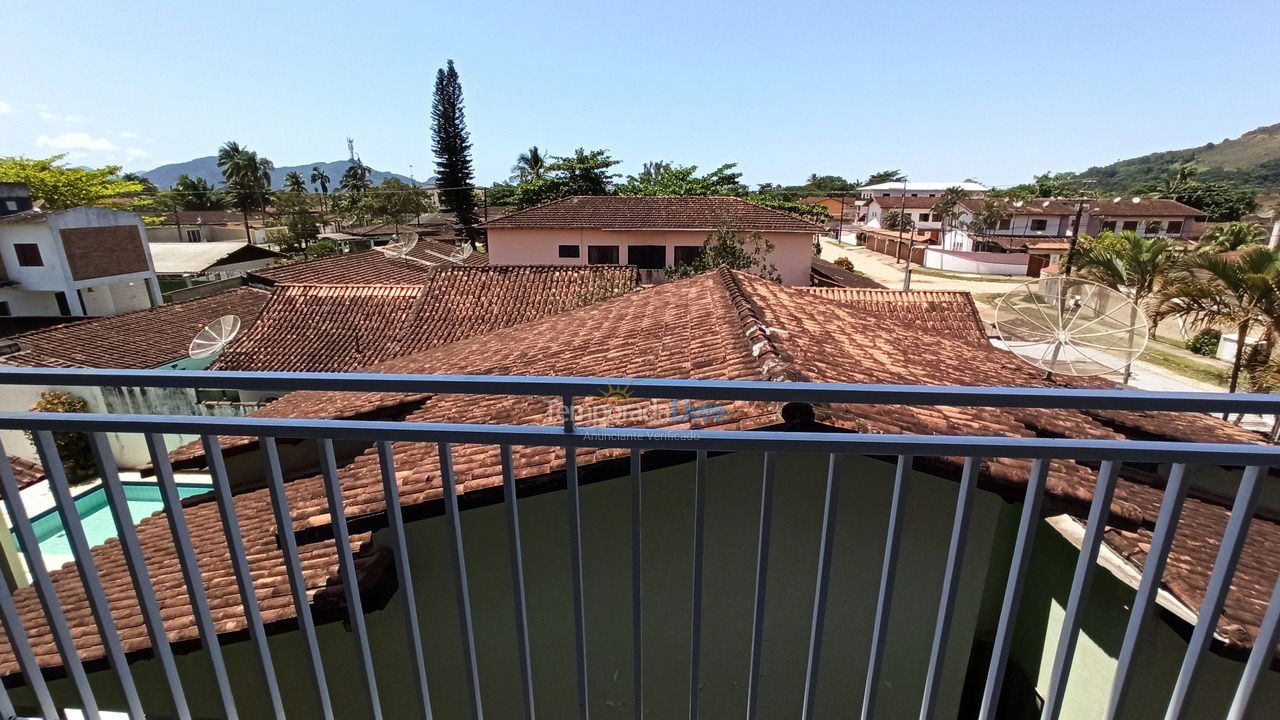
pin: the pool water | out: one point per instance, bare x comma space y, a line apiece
143, 499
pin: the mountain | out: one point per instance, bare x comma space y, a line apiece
207, 167
1253, 160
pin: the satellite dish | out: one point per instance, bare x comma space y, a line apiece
400, 246
1070, 326
459, 253
214, 337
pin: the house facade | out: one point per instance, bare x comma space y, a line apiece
83, 261
195, 226
651, 233
1021, 222
1145, 216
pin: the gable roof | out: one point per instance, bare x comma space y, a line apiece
1033, 206
655, 212
143, 339
180, 258
708, 327
333, 328
1141, 207
368, 267
947, 312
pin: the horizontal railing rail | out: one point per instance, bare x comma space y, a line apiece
867, 394
566, 434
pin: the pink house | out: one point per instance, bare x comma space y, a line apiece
650, 232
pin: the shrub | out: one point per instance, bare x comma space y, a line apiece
844, 263
1205, 342
73, 448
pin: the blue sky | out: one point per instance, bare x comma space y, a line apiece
996, 91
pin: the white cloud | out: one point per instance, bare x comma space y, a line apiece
73, 119
46, 115
128, 135
5, 107
64, 119
76, 141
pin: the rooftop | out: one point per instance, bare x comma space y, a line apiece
182, 258
1141, 207
143, 339
369, 267
944, 312
640, 212
967, 185
1033, 206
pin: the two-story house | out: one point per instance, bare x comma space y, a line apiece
650, 232
1145, 216
82, 261
920, 189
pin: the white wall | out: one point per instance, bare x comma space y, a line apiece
792, 254
983, 265
29, 303
51, 275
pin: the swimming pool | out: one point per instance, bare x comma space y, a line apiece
143, 499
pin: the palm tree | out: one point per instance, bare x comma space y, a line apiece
531, 165
1177, 182
948, 210
1129, 263
356, 177
1240, 290
293, 182
321, 178
1232, 236
247, 178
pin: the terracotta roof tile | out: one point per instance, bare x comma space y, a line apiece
25, 472
940, 311
1032, 206
368, 267
635, 212
143, 339
1144, 207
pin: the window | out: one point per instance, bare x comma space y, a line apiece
915, 194
1109, 225
1039, 225
11, 205
1153, 227
647, 257
570, 251
1174, 228
686, 254
602, 254
924, 217
1004, 224
28, 254
193, 235
4, 308
1129, 225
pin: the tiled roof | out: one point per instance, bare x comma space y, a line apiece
825, 272
211, 217
25, 472
909, 203
143, 339
369, 267
640, 212
175, 258
931, 311
1141, 207
708, 327
332, 328
1034, 206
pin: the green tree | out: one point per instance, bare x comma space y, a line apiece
734, 249
356, 178
293, 182
397, 202
898, 220
819, 184
885, 176
452, 146
1232, 236
661, 178
300, 220
320, 180
197, 194
1044, 185
530, 165
988, 217
247, 179
74, 449
1240, 291
949, 210
583, 173
61, 187
1220, 201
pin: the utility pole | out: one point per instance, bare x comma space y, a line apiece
1075, 235
902, 217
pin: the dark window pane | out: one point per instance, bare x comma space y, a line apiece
686, 254
28, 254
1129, 225
1039, 224
602, 254
1175, 227
570, 251
647, 257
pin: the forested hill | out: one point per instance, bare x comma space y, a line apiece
1253, 160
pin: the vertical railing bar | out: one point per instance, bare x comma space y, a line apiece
1264, 649
460, 577
19, 640
1224, 567
293, 569
637, 584
888, 571
1027, 526
950, 584
517, 578
191, 574
818, 621
1086, 564
6, 705
240, 565
347, 571
762, 576
695, 621
136, 565
568, 413
1175, 493
575, 561
88, 570
395, 521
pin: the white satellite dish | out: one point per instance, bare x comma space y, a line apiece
1069, 326
459, 253
400, 246
214, 337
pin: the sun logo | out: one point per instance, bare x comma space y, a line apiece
614, 394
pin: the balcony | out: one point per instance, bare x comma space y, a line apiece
649, 548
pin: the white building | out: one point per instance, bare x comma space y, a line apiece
83, 261
920, 189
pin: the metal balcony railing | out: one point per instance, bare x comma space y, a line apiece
1111, 454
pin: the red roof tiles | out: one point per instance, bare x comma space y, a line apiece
369, 267
636, 212
1141, 207
932, 311
143, 339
